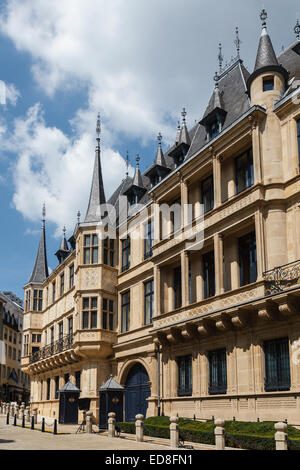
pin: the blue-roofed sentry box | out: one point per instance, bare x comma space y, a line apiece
68, 404
111, 400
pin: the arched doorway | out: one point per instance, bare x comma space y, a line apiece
137, 390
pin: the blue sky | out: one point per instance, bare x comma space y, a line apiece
136, 62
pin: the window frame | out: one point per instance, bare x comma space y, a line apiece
91, 312
247, 169
205, 192
185, 376
148, 239
148, 316
250, 250
125, 311
281, 384
222, 382
125, 250
90, 248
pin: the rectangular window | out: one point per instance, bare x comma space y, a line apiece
89, 313
207, 192
247, 259
15, 338
53, 291
148, 239
125, 312
209, 274
27, 301
42, 386
298, 137
148, 301
48, 389
177, 288
60, 330
175, 215
90, 249
70, 325
62, 284
56, 387
109, 252
184, 376
108, 314
268, 83
52, 334
277, 365
71, 272
37, 300
244, 171
217, 372
125, 254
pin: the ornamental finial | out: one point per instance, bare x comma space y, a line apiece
297, 30
44, 215
159, 138
237, 42
216, 79
220, 58
183, 114
138, 159
263, 17
98, 128
78, 216
64, 230
127, 163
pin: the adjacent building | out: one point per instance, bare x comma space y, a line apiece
199, 330
14, 383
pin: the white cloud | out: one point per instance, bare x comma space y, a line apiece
140, 61
8, 93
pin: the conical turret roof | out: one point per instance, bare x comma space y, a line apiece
40, 271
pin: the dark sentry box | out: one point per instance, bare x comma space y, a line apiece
111, 400
68, 404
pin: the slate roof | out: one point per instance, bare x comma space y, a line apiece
40, 271
69, 387
97, 196
111, 384
265, 55
290, 60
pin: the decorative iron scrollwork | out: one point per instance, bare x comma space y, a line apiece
281, 278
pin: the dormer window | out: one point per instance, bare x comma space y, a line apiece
213, 129
268, 84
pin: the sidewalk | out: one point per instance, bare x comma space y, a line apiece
17, 438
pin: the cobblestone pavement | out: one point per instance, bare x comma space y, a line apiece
16, 438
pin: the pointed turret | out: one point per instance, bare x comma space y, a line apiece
137, 189
97, 196
63, 251
182, 144
215, 112
266, 60
159, 169
40, 271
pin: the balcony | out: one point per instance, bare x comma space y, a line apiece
281, 278
63, 344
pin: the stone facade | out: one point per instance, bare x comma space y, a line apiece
240, 316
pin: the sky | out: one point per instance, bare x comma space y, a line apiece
136, 62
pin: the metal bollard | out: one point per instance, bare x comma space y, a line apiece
220, 434
32, 422
174, 432
23, 421
111, 424
15, 420
7, 418
55, 427
281, 436
43, 425
139, 428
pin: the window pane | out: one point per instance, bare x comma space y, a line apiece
87, 240
95, 240
95, 255
105, 304
111, 305
85, 304
104, 320
86, 256
111, 322
94, 303
85, 320
93, 319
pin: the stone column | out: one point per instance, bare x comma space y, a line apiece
111, 424
260, 245
197, 207
18, 411
89, 422
220, 434
217, 180
256, 146
156, 221
185, 278
12, 410
22, 410
219, 275
281, 436
174, 432
139, 428
184, 203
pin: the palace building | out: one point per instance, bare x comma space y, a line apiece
213, 331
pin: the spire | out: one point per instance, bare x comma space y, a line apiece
137, 179
177, 140
63, 251
184, 136
97, 195
127, 164
160, 159
265, 55
220, 58
297, 30
40, 271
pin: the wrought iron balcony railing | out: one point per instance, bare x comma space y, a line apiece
63, 344
282, 278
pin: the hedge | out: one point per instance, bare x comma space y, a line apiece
241, 435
